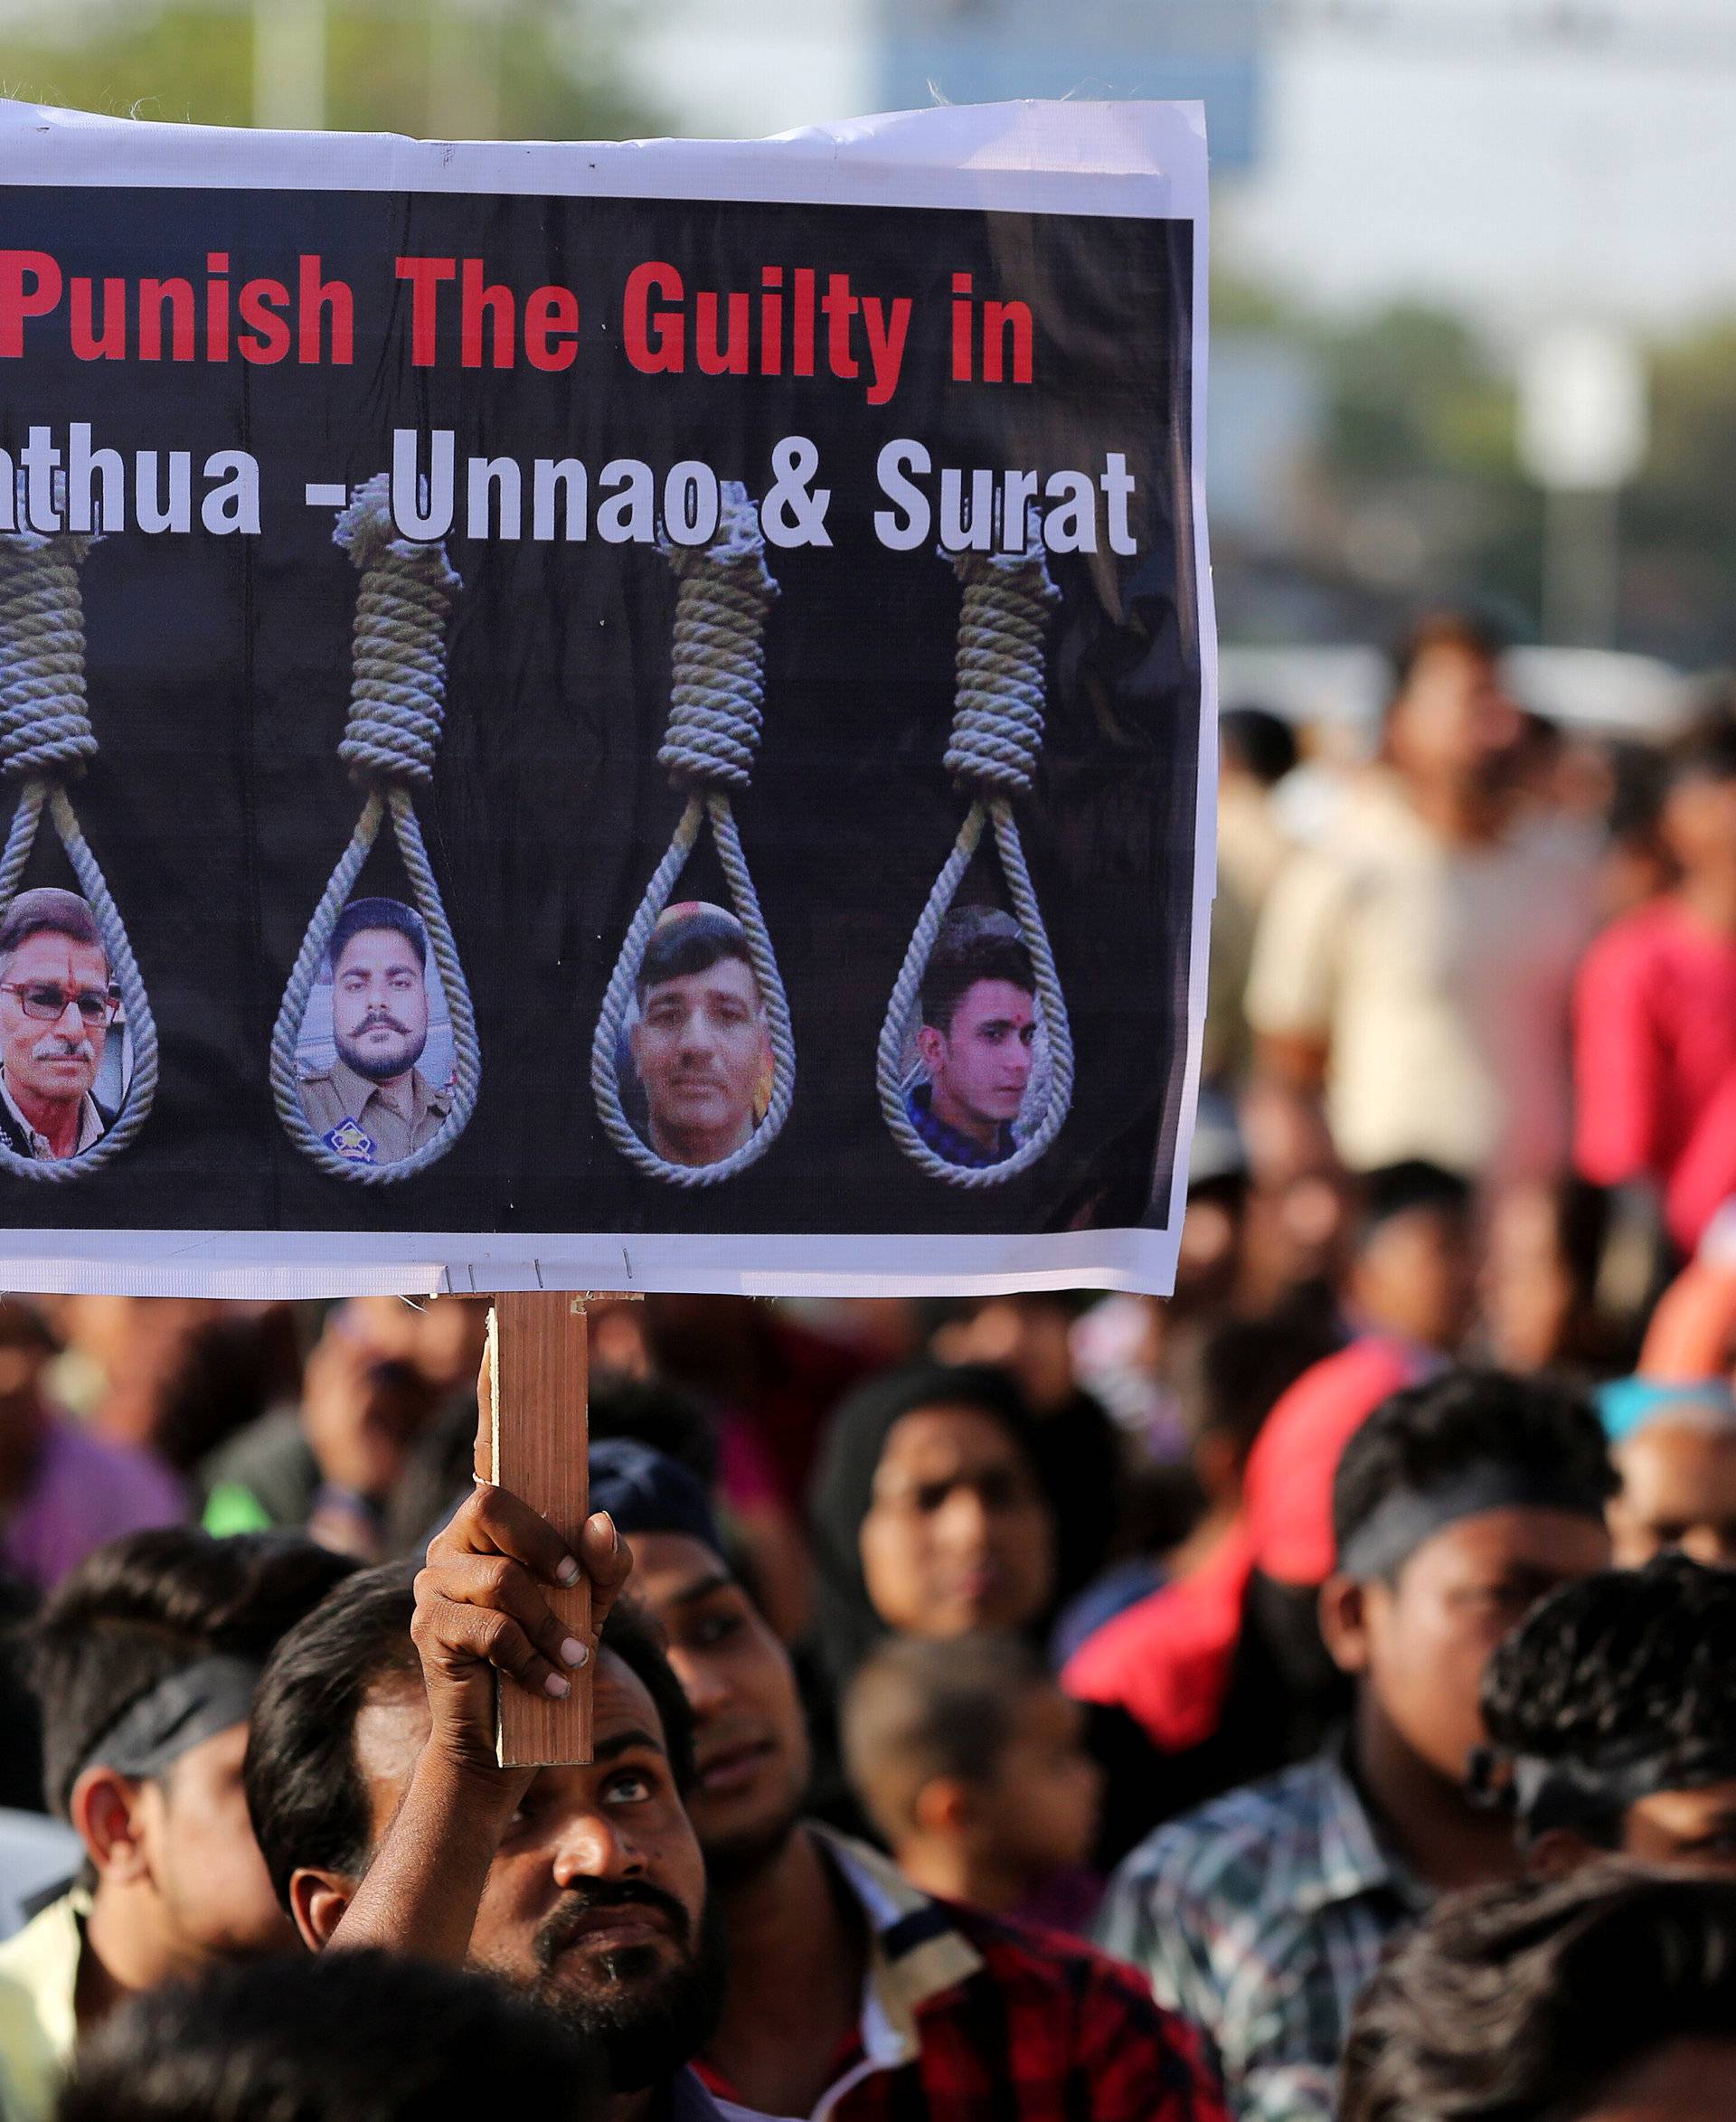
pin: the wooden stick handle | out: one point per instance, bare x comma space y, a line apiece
538, 1359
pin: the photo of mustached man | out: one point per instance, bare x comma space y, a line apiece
700, 1045
56, 1008
372, 1103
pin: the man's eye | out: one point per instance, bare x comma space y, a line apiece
630, 1788
1029, 1035
711, 1629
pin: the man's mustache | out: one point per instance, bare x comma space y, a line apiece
381, 1020
587, 1895
54, 1048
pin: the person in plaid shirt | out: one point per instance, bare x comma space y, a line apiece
852, 1996
1455, 1506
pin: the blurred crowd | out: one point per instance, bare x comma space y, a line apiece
1313, 1695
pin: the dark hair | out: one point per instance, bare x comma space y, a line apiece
332, 2037
692, 943
1477, 633
377, 913
1260, 741
146, 1606
1239, 1370
655, 1413
974, 943
52, 910
305, 1795
1515, 2002
1430, 1432
1640, 1660
1704, 751
1400, 1190
917, 1710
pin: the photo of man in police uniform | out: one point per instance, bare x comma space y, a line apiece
700, 1043
56, 1007
372, 1104
977, 1038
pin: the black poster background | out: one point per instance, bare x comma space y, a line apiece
219, 676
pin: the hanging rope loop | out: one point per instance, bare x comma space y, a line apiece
46, 740
997, 720
398, 691
710, 739
390, 744
996, 742
45, 722
718, 666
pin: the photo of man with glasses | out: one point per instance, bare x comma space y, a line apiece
55, 1010
372, 1104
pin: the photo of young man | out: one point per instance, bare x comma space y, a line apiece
700, 1043
372, 1103
976, 1038
56, 1007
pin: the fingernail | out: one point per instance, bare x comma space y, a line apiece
568, 1573
574, 1652
557, 1685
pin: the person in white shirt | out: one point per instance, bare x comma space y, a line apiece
1416, 966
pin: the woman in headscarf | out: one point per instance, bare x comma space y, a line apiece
931, 1518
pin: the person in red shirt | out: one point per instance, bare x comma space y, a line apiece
1655, 1007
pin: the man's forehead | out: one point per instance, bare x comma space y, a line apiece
998, 998
727, 976
621, 1703
377, 945
48, 949
668, 1567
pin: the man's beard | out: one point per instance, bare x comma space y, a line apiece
380, 1068
647, 2023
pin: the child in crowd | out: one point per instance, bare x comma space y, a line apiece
970, 1763
1612, 1719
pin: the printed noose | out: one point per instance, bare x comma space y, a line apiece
45, 742
996, 737
397, 705
709, 745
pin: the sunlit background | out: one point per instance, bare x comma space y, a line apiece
1475, 299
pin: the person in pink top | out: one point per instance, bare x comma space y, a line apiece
1655, 1060
64, 1492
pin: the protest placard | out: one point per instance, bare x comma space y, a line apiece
628, 715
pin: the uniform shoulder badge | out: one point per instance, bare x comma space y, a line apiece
351, 1140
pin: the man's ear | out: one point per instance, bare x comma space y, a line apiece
944, 1807
1558, 1851
1343, 1622
932, 1045
104, 1810
317, 1902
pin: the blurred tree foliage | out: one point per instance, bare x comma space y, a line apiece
1419, 433
511, 69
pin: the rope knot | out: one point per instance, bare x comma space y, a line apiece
719, 658
45, 730
398, 690
997, 718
